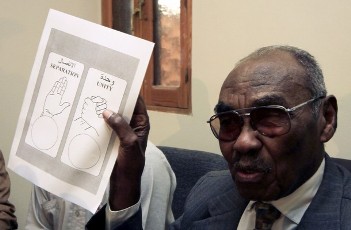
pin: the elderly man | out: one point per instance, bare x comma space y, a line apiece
272, 119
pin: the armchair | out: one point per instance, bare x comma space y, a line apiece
189, 165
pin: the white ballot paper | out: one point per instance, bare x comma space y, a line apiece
62, 143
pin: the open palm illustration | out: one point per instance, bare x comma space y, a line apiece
53, 102
44, 129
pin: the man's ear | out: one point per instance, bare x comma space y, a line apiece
329, 113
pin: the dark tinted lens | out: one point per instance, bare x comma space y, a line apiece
226, 126
270, 121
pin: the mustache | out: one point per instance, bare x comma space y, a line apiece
257, 165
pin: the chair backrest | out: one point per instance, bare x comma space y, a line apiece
188, 166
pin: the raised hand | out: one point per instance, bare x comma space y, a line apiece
126, 175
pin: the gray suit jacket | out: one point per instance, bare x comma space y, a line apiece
214, 203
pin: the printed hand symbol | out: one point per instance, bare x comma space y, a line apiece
92, 109
53, 103
92, 112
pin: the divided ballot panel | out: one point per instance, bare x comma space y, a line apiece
62, 143
64, 127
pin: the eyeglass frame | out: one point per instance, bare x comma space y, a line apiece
288, 111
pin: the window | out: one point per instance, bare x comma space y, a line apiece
167, 84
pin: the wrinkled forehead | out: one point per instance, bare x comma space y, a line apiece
274, 79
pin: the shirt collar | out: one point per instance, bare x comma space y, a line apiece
295, 204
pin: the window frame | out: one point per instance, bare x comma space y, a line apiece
160, 98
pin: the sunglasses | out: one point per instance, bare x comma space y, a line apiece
271, 120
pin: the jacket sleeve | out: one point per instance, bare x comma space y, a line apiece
99, 219
8, 219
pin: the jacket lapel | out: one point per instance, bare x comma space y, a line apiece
324, 210
225, 211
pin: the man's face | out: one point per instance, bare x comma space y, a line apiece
268, 168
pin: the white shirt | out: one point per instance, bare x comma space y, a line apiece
160, 187
292, 207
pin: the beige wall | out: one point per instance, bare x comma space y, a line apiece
21, 24
223, 32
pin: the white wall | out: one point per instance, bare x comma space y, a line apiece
223, 32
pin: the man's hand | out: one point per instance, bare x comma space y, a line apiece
125, 179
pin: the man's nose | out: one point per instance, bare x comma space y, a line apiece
247, 139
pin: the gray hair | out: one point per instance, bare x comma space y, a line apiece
314, 76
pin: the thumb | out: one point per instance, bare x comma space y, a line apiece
63, 106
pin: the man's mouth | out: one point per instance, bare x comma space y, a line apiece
248, 176
249, 173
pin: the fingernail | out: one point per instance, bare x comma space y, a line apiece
107, 114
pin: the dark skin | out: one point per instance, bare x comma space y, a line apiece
273, 167
125, 179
